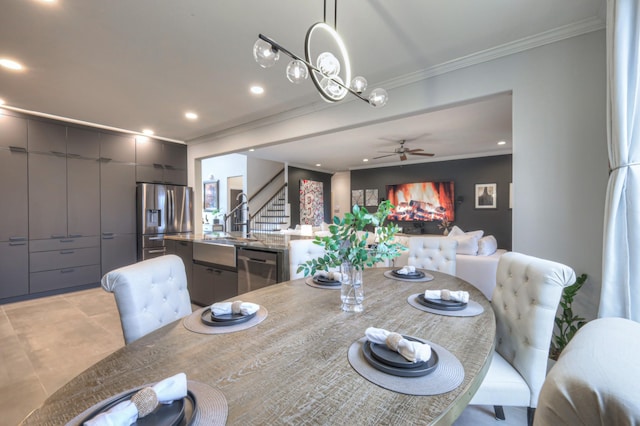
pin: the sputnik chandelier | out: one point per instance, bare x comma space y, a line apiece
326, 73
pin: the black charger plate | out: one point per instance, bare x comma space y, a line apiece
410, 276
325, 281
224, 320
178, 413
382, 353
443, 305
428, 368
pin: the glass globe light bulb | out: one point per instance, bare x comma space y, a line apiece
264, 54
378, 98
333, 89
328, 64
359, 84
297, 71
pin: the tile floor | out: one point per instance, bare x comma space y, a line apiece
46, 342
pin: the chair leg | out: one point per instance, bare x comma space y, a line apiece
499, 412
530, 413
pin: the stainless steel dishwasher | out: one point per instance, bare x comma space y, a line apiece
256, 269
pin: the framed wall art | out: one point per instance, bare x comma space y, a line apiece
371, 197
486, 196
211, 199
357, 197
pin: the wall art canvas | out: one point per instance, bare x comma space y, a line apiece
357, 197
311, 202
210, 191
371, 197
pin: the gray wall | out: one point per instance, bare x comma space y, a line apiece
465, 173
296, 174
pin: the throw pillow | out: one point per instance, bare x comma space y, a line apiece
487, 245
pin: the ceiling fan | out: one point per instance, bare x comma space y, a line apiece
402, 151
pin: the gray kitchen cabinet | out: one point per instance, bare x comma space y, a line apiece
50, 138
117, 185
212, 284
47, 196
161, 162
14, 192
83, 181
184, 249
117, 250
14, 269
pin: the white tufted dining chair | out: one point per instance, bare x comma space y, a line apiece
149, 294
525, 300
299, 252
433, 253
595, 382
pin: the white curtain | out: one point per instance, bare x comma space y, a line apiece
620, 295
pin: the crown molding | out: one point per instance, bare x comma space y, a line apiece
552, 36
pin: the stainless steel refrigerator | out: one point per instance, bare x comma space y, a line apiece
162, 210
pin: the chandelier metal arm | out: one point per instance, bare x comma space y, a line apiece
278, 47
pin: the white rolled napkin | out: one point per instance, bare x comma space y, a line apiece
237, 307
127, 412
456, 296
410, 350
331, 275
406, 270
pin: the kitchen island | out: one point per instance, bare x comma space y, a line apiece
223, 265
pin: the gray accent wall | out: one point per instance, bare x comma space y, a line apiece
465, 174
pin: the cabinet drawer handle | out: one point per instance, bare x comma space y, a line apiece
105, 159
157, 166
18, 149
58, 153
67, 251
66, 271
73, 155
17, 243
156, 238
58, 236
17, 238
75, 235
108, 237
67, 240
107, 234
156, 251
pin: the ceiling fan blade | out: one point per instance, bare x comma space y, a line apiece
414, 150
382, 156
425, 154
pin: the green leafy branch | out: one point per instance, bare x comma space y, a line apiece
347, 241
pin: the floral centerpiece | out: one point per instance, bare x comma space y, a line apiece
346, 247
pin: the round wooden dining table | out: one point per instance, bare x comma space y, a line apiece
292, 367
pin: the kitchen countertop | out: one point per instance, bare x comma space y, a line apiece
263, 241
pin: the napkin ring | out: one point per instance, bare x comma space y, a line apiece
145, 400
235, 306
445, 295
392, 341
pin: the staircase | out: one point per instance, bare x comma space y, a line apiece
272, 216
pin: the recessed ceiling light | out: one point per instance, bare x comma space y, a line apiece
1, 101
191, 115
502, 143
257, 90
147, 131
318, 164
252, 149
365, 160
11, 64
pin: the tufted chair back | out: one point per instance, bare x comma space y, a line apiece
299, 252
433, 253
149, 294
525, 301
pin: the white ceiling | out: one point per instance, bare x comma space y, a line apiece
142, 64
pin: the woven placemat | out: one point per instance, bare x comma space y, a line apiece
310, 283
427, 277
211, 405
473, 308
194, 323
447, 376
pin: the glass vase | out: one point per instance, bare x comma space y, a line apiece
352, 290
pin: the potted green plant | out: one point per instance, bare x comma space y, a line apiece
346, 247
567, 323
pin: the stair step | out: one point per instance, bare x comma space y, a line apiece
271, 223
274, 215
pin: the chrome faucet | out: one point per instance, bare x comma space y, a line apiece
245, 203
